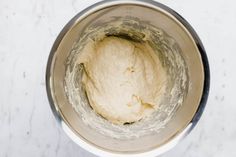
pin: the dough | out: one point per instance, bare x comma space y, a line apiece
124, 80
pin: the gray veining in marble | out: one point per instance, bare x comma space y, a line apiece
28, 29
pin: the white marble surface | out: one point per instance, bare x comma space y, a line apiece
28, 29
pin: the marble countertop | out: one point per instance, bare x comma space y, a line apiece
28, 29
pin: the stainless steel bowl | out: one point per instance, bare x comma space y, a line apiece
185, 117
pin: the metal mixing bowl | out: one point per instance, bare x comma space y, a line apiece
185, 117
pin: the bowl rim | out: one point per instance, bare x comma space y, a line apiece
170, 144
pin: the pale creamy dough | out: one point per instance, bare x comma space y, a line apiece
124, 80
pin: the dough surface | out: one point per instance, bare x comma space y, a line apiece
124, 80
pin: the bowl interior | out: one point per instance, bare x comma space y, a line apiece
157, 17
